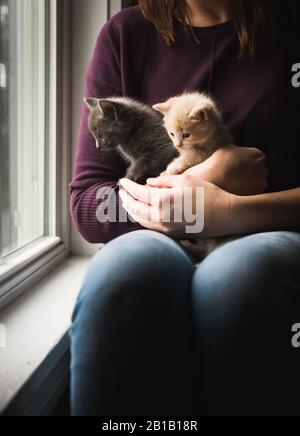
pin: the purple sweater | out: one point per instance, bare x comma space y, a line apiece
256, 97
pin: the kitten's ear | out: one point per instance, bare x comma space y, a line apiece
199, 114
163, 108
92, 103
110, 109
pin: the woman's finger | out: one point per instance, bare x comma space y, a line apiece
152, 196
139, 192
150, 225
165, 182
138, 209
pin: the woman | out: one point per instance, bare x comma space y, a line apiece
152, 333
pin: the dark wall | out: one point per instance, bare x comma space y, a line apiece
127, 3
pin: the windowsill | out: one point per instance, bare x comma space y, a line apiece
36, 323
15, 262
29, 266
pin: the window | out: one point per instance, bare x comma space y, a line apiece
33, 161
23, 95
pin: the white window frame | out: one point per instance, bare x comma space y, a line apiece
21, 270
113, 6
30, 44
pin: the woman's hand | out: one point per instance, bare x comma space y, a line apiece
238, 170
227, 175
159, 209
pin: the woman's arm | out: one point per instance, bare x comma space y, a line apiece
267, 212
98, 171
238, 170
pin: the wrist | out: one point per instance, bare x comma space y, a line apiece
236, 205
241, 216
223, 218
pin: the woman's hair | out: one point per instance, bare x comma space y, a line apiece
257, 22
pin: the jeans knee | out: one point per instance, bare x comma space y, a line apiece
137, 265
251, 272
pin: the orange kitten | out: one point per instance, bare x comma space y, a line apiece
195, 127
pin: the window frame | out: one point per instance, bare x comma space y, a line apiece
21, 270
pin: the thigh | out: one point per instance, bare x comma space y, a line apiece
262, 267
246, 298
132, 350
137, 279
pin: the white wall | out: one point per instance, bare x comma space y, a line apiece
88, 18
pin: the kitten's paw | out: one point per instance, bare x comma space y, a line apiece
175, 169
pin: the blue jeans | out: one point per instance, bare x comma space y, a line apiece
154, 334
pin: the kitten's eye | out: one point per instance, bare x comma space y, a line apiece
172, 134
186, 135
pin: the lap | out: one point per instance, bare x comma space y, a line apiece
252, 276
251, 266
253, 260
138, 290
257, 257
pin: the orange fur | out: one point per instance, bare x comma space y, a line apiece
193, 114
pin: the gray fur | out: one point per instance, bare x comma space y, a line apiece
136, 132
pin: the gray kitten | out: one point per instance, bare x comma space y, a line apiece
135, 131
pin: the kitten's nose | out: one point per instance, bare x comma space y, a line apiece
178, 145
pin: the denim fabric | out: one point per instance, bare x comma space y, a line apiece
154, 334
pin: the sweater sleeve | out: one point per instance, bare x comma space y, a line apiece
96, 173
